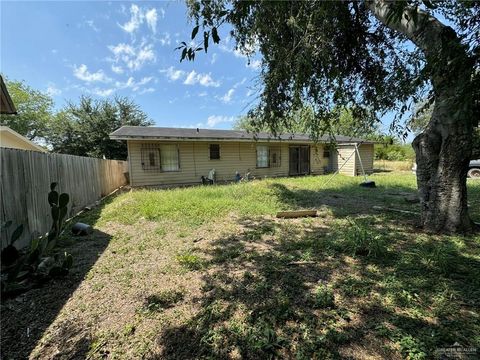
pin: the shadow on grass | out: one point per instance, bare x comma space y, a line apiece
26, 317
265, 288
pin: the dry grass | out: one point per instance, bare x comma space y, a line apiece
388, 165
218, 276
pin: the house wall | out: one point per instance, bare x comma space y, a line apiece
195, 162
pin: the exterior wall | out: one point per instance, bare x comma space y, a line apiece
367, 154
8, 140
195, 162
343, 158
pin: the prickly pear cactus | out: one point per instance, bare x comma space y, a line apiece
59, 207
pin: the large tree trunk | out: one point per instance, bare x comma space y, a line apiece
444, 148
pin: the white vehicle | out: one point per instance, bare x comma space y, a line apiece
473, 169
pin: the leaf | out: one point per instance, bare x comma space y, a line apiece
53, 185
195, 31
184, 54
429, 4
215, 37
55, 212
53, 198
12, 274
16, 234
205, 40
199, 49
63, 200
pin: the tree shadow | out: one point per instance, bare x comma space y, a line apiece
26, 317
263, 291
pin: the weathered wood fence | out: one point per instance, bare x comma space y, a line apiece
25, 183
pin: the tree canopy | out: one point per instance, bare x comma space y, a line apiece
34, 110
83, 128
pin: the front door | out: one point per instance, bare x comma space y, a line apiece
299, 160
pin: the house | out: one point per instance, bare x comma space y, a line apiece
172, 156
11, 139
6, 103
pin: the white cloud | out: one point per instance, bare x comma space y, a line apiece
228, 96
103, 92
172, 74
147, 90
136, 19
91, 24
117, 69
133, 57
151, 17
140, 15
202, 79
52, 90
214, 120
165, 39
214, 59
254, 64
132, 84
83, 74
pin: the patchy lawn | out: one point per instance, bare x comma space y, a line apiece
209, 272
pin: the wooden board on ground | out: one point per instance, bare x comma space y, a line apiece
296, 213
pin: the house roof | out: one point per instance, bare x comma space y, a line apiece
181, 134
21, 142
6, 103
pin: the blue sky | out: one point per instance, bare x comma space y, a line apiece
106, 48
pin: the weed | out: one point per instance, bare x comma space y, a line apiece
361, 239
323, 297
190, 261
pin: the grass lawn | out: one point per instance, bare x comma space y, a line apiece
209, 272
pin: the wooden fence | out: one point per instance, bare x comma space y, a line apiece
25, 183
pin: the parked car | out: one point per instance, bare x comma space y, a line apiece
473, 169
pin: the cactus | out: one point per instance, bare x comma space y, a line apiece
10, 254
59, 207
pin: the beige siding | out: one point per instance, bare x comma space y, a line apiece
195, 162
343, 160
367, 155
237, 156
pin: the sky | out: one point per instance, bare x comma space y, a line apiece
67, 49
99, 48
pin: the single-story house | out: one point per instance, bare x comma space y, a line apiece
173, 156
11, 139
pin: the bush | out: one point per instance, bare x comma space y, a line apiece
360, 239
394, 152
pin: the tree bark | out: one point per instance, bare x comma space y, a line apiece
444, 148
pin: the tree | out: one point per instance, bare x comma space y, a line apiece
377, 54
83, 129
344, 121
34, 110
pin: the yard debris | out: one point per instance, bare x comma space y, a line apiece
297, 213
81, 229
381, 208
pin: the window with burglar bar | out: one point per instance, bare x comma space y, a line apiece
163, 157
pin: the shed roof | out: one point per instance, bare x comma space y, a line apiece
165, 133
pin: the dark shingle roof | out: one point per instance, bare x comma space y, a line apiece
154, 133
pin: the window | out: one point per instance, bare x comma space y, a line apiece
262, 156
326, 152
214, 151
160, 157
150, 157
275, 157
169, 157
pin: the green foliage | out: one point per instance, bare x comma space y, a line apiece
34, 110
361, 239
323, 297
10, 253
83, 129
394, 152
